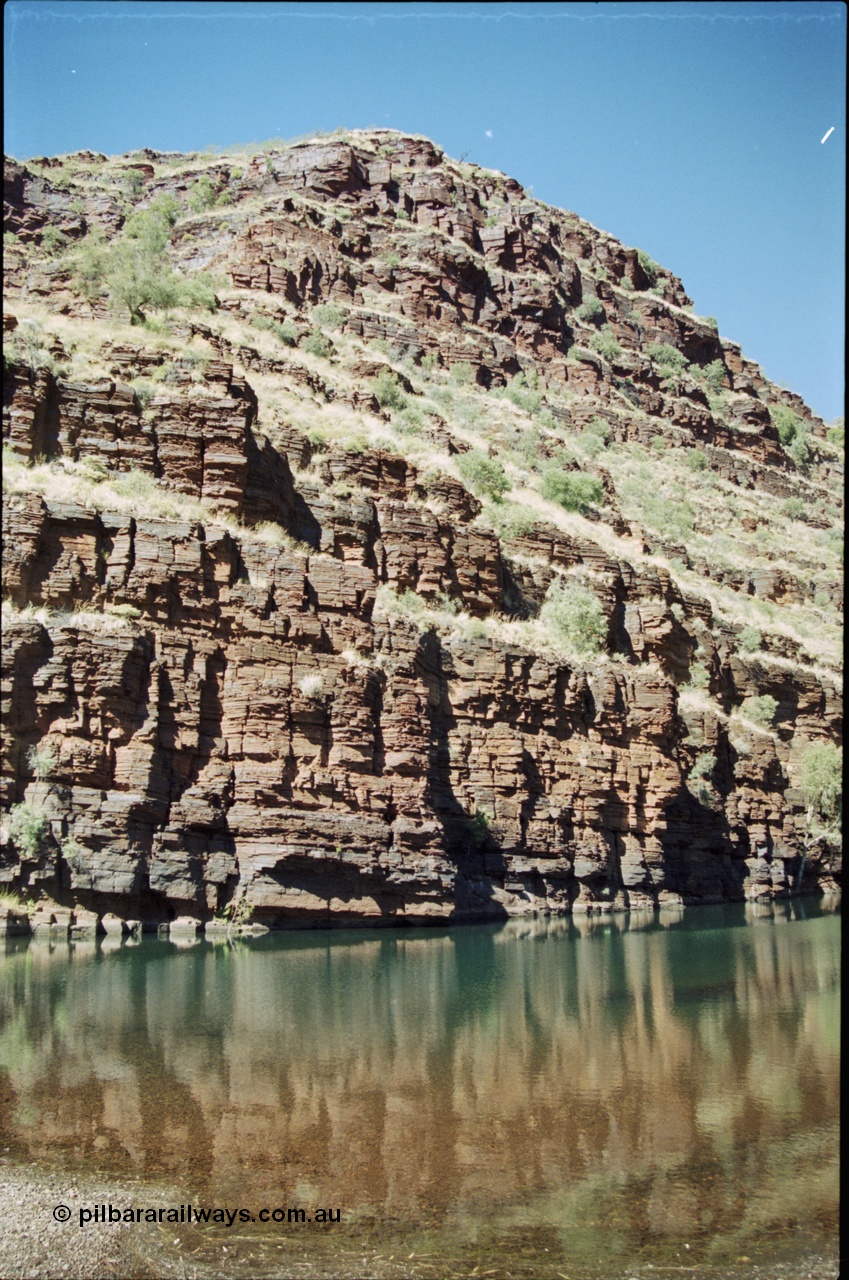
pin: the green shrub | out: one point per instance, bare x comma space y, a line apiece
462, 373
201, 194
485, 475
429, 362
795, 508
144, 391
750, 639
53, 240
704, 765
284, 330
605, 343
785, 421
410, 419
523, 392
328, 315
153, 224
197, 292
133, 183
74, 855
650, 267
480, 826
697, 460
388, 391
573, 490
668, 356
760, 710
27, 828
699, 676
799, 448
137, 268
714, 375
598, 427
822, 780
29, 345
591, 309
42, 761
575, 616
836, 434
591, 444
509, 520
316, 344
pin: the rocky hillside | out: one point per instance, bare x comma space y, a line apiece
383, 544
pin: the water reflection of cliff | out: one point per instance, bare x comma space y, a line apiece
426, 1076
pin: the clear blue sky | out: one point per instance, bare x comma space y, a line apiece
691, 130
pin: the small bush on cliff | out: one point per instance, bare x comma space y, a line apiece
316, 344
750, 640
714, 375
328, 315
697, 459
311, 686
650, 267
42, 761
799, 448
137, 270
480, 826
591, 310
699, 779
573, 490
785, 422
822, 781
29, 345
282, 329
575, 616
704, 765
794, 508
388, 391
760, 709
462, 373
605, 343
699, 676
523, 392
133, 183
836, 434
27, 829
53, 241
485, 475
201, 194
667, 356
75, 856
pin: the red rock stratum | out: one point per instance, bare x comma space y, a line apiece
416, 554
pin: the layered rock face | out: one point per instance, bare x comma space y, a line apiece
278, 647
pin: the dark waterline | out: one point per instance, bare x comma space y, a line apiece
586, 1096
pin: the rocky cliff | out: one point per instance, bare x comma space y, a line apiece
420, 556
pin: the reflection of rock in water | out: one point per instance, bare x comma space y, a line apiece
442, 1075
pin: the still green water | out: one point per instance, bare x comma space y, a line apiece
535, 1099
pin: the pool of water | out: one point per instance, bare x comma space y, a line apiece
535, 1098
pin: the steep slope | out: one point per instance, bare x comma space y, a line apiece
424, 557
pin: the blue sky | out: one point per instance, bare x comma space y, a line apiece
691, 130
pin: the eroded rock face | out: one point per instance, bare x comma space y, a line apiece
236, 718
